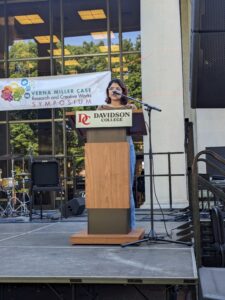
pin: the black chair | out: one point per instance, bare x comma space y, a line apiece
218, 229
44, 178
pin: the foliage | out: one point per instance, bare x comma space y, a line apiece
23, 138
75, 148
26, 68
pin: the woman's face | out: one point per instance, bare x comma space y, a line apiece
115, 87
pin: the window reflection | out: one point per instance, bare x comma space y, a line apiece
130, 71
132, 41
84, 43
81, 21
30, 114
132, 75
29, 68
86, 64
130, 24
26, 22
44, 135
2, 27
3, 135
118, 65
23, 137
75, 149
2, 117
18, 69
59, 112
58, 138
23, 115
2, 70
44, 67
57, 64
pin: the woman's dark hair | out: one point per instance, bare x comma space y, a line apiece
123, 99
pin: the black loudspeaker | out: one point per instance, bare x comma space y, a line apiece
208, 54
208, 15
45, 173
74, 207
208, 70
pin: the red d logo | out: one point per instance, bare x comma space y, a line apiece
83, 118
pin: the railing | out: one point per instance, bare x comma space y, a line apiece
169, 174
73, 177
194, 201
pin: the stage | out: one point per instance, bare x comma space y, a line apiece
40, 253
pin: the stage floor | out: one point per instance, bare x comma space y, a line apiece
41, 253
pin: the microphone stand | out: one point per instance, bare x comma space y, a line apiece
151, 235
30, 155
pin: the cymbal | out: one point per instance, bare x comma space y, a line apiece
23, 174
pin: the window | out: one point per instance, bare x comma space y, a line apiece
57, 37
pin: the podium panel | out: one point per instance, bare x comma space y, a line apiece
106, 135
108, 221
107, 167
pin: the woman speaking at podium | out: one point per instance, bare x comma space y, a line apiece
116, 99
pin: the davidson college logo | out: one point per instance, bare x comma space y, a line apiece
83, 118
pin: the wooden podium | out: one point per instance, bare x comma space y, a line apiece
107, 185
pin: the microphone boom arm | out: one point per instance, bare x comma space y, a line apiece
146, 105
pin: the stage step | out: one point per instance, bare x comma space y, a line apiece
110, 239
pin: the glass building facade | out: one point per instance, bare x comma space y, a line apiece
59, 37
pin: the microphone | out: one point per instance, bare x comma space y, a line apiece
117, 93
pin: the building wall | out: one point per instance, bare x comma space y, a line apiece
162, 86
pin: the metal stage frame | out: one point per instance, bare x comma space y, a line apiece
40, 253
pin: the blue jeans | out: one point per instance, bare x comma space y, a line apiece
132, 170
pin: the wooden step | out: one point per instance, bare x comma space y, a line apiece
83, 237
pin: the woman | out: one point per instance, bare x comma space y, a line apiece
116, 99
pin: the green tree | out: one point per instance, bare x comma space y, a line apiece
22, 49
23, 138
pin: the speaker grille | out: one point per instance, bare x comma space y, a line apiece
45, 173
208, 70
208, 15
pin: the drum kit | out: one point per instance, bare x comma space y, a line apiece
17, 199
